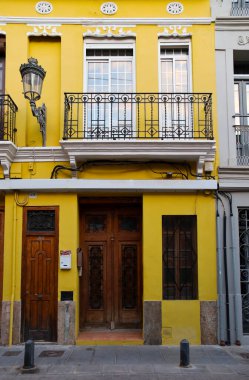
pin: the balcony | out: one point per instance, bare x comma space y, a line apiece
240, 8
139, 126
168, 116
242, 144
8, 111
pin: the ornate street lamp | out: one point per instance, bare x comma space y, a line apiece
32, 79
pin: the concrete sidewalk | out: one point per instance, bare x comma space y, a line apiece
126, 362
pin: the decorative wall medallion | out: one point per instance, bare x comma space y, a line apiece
175, 8
109, 8
110, 31
175, 31
44, 30
243, 40
44, 7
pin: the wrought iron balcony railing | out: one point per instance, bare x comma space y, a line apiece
240, 8
112, 116
8, 111
242, 142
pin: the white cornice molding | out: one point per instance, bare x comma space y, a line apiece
100, 186
234, 178
74, 151
144, 149
232, 24
7, 155
179, 31
109, 31
234, 172
201, 151
44, 30
41, 154
105, 21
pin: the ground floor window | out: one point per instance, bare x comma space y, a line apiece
179, 257
244, 265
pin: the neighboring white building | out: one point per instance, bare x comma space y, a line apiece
232, 58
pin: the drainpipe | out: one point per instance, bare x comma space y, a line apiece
13, 278
236, 279
220, 277
226, 276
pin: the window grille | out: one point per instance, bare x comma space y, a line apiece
244, 265
179, 257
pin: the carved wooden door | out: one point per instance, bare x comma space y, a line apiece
39, 275
111, 278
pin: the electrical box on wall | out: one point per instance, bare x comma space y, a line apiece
65, 259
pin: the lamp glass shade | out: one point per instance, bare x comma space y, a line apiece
32, 86
32, 78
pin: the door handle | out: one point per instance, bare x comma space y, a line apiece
39, 296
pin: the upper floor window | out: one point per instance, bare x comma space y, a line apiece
109, 77
179, 257
109, 70
174, 69
241, 87
176, 115
241, 105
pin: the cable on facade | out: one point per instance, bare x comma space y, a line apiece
197, 175
21, 203
167, 174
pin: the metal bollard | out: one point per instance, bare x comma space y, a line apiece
29, 355
184, 353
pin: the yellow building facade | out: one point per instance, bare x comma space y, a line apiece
107, 207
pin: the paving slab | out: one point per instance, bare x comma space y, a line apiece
127, 363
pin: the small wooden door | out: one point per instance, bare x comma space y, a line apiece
111, 278
39, 274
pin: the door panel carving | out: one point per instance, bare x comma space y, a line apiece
129, 276
95, 270
39, 275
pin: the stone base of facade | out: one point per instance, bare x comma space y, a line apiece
66, 322
5, 322
16, 337
209, 322
152, 322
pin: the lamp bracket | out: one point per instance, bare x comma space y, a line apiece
41, 114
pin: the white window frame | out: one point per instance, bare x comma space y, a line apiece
108, 45
177, 45
169, 44
90, 43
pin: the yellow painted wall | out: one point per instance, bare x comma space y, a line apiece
68, 240
39, 170
48, 53
154, 207
181, 320
126, 8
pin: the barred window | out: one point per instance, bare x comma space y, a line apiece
179, 257
244, 264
